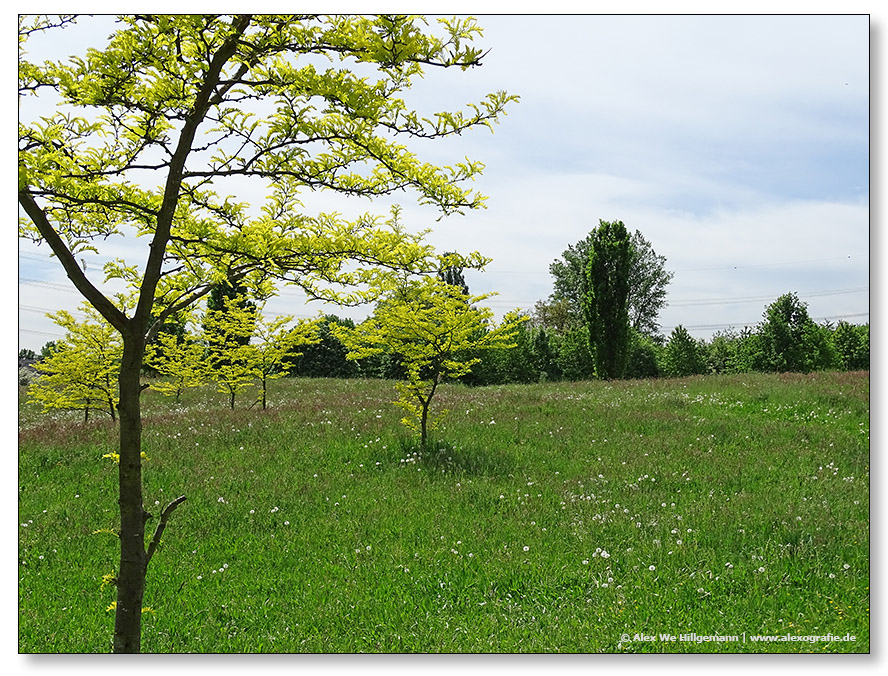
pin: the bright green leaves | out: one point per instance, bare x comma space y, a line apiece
154, 120
81, 371
434, 330
242, 347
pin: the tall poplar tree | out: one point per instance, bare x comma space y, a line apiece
152, 124
606, 303
648, 279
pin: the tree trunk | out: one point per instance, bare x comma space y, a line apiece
131, 576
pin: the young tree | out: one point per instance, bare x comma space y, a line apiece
682, 355
179, 357
154, 123
435, 329
230, 361
80, 371
606, 303
222, 296
276, 345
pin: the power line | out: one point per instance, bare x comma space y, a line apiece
710, 327
759, 299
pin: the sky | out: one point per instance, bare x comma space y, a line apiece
738, 145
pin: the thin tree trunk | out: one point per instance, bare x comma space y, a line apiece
133, 564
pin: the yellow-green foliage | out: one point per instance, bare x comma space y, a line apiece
230, 360
243, 347
81, 372
435, 330
277, 342
180, 361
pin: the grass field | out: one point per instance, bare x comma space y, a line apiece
550, 518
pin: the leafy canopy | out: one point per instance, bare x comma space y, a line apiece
80, 372
176, 107
435, 330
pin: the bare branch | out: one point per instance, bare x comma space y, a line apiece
164, 517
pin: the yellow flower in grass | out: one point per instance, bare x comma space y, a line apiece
108, 579
113, 606
116, 456
105, 530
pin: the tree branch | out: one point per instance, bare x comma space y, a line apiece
164, 517
97, 299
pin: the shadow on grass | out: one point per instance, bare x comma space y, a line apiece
441, 455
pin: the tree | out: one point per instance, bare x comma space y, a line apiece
154, 123
544, 356
278, 343
325, 358
852, 346
47, 348
80, 372
27, 355
227, 333
574, 354
643, 357
720, 353
606, 303
784, 335
682, 355
453, 274
648, 279
819, 348
435, 329
554, 314
221, 297
180, 359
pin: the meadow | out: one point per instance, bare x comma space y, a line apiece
557, 517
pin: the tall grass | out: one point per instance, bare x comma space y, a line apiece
551, 517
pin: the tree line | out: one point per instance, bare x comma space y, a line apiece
234, 348
601, 320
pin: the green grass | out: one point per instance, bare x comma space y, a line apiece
547, 518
